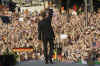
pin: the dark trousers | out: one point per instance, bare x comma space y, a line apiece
45, 45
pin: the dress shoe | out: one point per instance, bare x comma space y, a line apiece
46, 62
51, 62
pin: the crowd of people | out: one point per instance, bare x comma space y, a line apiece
22, 32
80, 37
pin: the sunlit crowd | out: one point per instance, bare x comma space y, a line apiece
22, 32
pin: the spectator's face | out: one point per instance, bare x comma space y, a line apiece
47, 14
40, 17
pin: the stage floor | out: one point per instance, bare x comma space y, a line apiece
40, 63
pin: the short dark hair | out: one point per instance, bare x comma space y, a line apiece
43, 14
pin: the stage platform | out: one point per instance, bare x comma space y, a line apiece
40, 63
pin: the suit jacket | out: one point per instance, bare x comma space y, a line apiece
45, 30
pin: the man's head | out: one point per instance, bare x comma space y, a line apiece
49, 11
42, 15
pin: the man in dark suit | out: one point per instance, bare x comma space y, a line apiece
46, 34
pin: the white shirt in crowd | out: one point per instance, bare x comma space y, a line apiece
84, 61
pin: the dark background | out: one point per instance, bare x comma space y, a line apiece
96, 3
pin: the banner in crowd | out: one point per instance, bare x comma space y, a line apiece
32, 9
22, 49
63, 36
